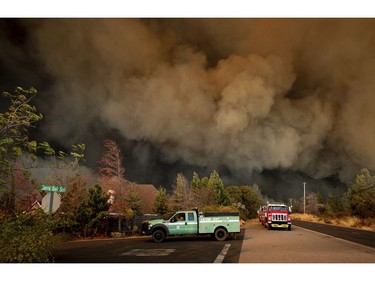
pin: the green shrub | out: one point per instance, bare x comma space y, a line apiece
26, 238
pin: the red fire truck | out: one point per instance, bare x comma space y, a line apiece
277, 216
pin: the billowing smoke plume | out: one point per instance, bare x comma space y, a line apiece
245, 96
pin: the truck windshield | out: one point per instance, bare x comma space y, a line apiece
278, 208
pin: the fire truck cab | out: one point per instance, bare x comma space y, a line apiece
277, 217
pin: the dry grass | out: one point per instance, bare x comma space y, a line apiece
305, 217
348, 221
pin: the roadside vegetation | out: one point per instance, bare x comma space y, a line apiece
28, 234
355, 208
341, 220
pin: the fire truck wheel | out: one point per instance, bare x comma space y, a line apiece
158, 236
269, 227
220, 234
289, 227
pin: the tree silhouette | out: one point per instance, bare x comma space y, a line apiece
111, 173
112, 178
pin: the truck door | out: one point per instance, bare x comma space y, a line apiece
191, 223
181, 223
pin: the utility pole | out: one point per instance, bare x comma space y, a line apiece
304, 197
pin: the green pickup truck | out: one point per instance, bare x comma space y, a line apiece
219, 224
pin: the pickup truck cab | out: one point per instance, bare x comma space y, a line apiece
219, 224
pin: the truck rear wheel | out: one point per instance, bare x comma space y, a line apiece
158, 236
220, 234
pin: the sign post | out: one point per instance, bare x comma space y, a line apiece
51, 201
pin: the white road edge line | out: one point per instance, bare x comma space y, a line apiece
221, 256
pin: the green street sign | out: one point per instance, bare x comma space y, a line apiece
53, 188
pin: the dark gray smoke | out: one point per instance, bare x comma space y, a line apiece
271, 101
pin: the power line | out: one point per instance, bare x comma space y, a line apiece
353, 193
331, 171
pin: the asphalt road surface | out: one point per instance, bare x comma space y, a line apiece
363, 237
255, 244
299, 246
181, 249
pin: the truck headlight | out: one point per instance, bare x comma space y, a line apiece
150, 226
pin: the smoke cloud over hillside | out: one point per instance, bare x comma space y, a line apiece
249, 97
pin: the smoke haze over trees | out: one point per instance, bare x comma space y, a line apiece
274, 102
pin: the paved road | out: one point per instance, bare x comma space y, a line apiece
186, 249
255, 245
363, 237
299, 246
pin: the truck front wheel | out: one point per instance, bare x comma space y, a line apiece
220, 234
158, 236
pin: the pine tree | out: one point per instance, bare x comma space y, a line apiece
90, 213
215, 183
112, 177
361, 195
195, 183
134, 201
181, 197
160, 204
